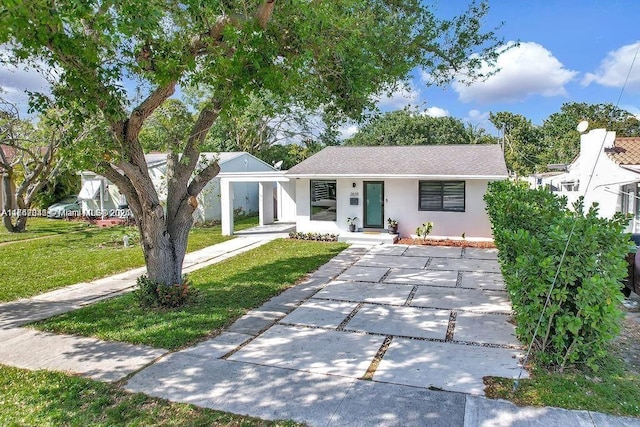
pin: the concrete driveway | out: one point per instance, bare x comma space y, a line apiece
368, 339
432, 317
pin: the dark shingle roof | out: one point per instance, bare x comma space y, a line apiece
414, 160
625, 151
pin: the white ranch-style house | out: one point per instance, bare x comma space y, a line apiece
444, 184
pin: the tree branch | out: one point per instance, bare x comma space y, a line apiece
201, 179
146, 108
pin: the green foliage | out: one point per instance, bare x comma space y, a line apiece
168, 126
531, 230
411, 127
522, 140
424, 230
561, 138
150, 294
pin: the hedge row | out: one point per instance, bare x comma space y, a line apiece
531, 229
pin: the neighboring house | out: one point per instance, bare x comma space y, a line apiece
100, 195
444, 184
606, 171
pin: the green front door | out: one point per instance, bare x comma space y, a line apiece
373, 204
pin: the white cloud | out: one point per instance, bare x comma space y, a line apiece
347, 131
524, 70
614, 69
476, 116
15, 80
436, 112
403, 96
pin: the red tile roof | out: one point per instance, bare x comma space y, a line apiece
625, 151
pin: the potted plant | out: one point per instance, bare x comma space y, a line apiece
392, 225
352, 223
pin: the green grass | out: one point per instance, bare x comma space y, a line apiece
36, 266
613, 389
226, 291
40, 227
45, 398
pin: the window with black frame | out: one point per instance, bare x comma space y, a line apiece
323, 200
441, 196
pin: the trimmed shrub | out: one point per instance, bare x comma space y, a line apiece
531, 229
150, 294
319, 237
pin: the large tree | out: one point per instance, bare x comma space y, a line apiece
332, 55
29, 160
411, 127
562, 140
522, 141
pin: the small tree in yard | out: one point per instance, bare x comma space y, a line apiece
334, 55
28, 160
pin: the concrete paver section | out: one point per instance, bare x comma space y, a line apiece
447, 366
464, 264
462, 299
476, 280
401, 321
481, 253
485, 328
374, 260
411, 276
364, 274
431, 251
323, 314
312, 350
381, 293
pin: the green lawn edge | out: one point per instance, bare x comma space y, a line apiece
227, 290
613, 389
40, 265
45, 398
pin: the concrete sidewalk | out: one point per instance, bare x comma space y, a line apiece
106, 361
232, 372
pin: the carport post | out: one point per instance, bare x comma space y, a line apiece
265, 202
226, 206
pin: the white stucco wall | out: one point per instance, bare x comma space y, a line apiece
401, 203
600, 178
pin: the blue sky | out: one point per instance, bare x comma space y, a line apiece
570, 51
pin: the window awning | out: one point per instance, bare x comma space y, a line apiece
90, 189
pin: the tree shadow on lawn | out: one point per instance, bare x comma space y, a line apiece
220, 301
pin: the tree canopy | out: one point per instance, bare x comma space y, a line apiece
411, 127
333, 55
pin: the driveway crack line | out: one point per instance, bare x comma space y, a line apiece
371, 370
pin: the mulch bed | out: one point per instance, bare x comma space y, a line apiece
446, 242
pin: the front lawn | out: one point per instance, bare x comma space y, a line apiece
40, 227
227, 290
32, 267
43, 398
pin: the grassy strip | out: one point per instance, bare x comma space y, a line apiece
226, 291
36, 266
613, 389
41, 227
45, 398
